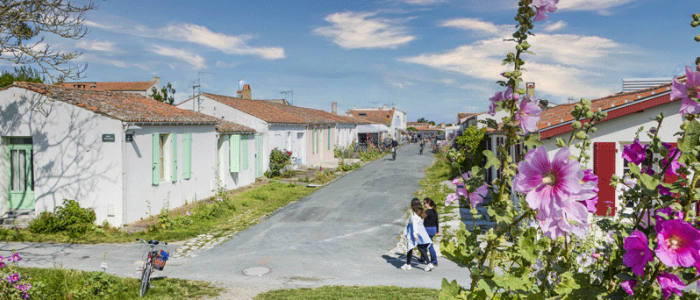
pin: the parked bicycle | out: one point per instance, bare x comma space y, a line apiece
153, 259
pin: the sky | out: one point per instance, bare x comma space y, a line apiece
428, 58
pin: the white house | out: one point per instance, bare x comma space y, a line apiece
274, 128
394, 119
124, 155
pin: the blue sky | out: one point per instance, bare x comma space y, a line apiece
430, 58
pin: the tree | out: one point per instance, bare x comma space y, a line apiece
422, 120
165, 95
23, 73
23, 25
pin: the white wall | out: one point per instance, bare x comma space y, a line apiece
70, 159
235, 180
295, 147
622, 131
144, 198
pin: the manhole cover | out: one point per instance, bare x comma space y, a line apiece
256, 271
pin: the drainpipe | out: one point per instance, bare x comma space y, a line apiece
125, 127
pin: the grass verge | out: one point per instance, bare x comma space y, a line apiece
230, 211
430, 186
73, 284
351, 293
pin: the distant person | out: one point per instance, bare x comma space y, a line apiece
415, 235
422, 145
432, 226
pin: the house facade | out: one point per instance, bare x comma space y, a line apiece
394, 119
123, 155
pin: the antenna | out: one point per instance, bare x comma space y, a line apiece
285, 95
199, 91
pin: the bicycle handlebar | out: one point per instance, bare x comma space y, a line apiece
151, 242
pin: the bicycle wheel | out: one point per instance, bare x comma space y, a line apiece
145, 277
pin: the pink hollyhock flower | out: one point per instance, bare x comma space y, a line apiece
457, 181
451, 198
13, 278
628, 183
595, 255
664, 214
498, 97
545, 182
588, 195
15, 257
628, 286
2, 265
648, 170
687, 92
478, 195
543, 6
528, 114
679, 244
635, 152
672, 169
670, 284
638, 253
508, 94
664, 191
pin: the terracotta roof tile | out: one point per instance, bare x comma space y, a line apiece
110, 86
121, 106
259, 109
229, 127
380, 116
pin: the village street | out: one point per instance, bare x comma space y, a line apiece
340, 235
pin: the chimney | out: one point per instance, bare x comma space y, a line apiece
335, 108
384, 106
246, 93
530, 89
442, 125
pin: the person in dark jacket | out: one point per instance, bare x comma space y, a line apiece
432, 226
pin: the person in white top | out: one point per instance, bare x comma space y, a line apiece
416, 235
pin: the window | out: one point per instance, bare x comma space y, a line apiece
363, 114
329, 138
161, 157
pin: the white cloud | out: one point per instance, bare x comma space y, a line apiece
96, 46
89, 23
564, 65
361, 31
423, 2
554, 26
226, 65
596, 5
225, 43
478, 26
193, 59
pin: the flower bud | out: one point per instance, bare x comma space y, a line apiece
694, 24
697, 37
516, 97
593, 130
589, 114
684, 125
561, 143
581, 135
576, 125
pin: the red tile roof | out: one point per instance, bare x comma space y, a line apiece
259, 109
110, 86
380, 116
341, 119
121, 106
230, 127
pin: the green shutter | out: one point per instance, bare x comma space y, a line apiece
329, 138
187, 156
234, 153
244, 152
173, 157
313, 141
155, 156
318, 137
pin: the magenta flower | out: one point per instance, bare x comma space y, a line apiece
457, 181
628, 286
664, 214
688, 92
673, 151
508, 94
588, 195
15, 257
529, 114
679, 244
638, 253
475, 197
13, 278
635, 152
670, 284
451, 198
664, 191
551, 188
498, 97
543, 6
547, 182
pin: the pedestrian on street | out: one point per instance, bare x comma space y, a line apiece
432, 226
416, 235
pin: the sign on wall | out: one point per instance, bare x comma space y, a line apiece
108, 138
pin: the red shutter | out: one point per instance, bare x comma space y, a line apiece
604, 168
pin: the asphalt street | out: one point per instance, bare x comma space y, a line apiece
340, 235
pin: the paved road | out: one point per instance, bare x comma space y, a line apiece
339, 235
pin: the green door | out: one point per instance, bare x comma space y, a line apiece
258, 156
21, 179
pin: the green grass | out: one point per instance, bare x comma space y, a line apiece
430, 186
351, 292
73, 284
235, 212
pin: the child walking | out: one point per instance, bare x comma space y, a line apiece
415, 235
432, 226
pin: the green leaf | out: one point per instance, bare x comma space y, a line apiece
648, 183
566, 285
527, 244
634, 169
450, 288
491, 123
484, 286
533, 141
537, 296
491, 160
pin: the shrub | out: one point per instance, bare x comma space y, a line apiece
70, 218
279, 159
